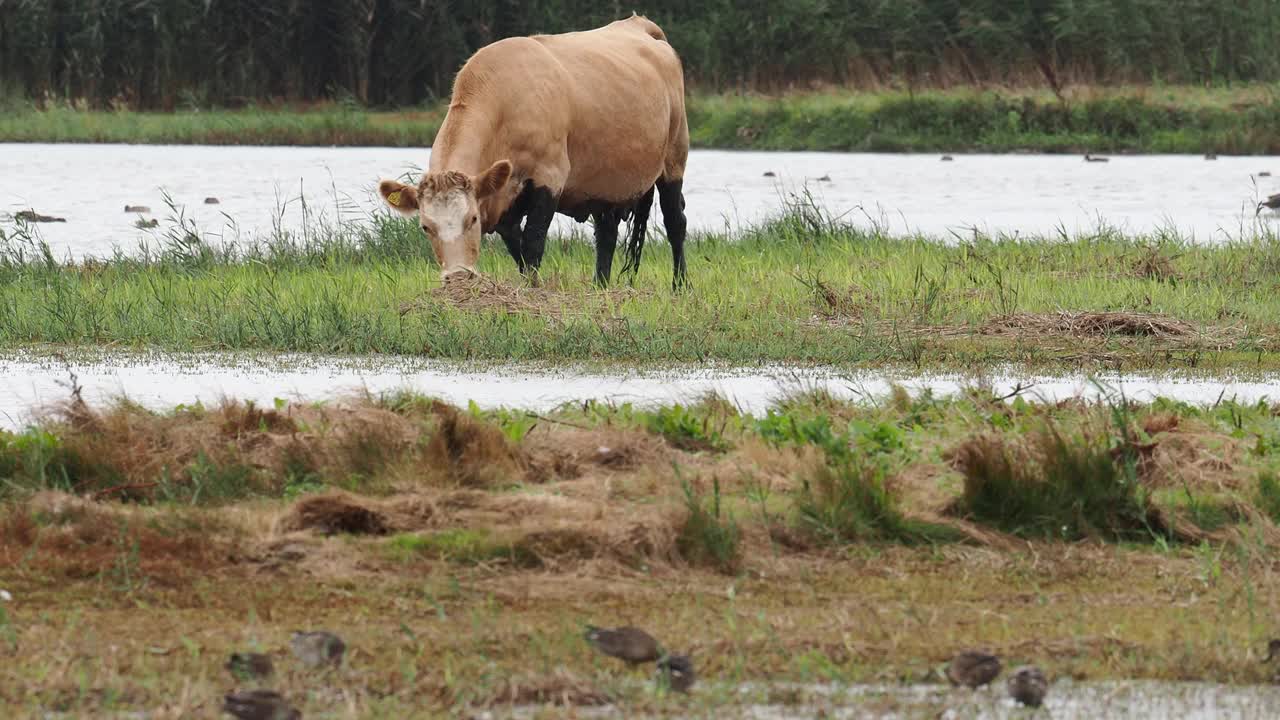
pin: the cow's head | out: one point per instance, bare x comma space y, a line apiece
448, 209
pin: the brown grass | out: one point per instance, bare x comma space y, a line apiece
1091, 324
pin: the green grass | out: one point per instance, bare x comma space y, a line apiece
1241, 120
800, 289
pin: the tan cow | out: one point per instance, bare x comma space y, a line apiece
586, 124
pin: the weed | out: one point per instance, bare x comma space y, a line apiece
686, 429
709, 536
1267, 495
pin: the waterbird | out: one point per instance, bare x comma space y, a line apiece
676, 672
249, 666
629, 644
137, 208
1210, 156
259, 705
1028, 686
973, 668
211, 201
1271, 203
770, 173
1095, 158
32, 216
825, 178
1264, 173
145, 224
947, 158
1273, 650
317, 648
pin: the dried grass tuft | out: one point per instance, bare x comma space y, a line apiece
334, 514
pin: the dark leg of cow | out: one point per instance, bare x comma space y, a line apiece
542, 208
671, 199
606, 222
636, 231
512, 235
509, 229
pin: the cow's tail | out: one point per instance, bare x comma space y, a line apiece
637, 229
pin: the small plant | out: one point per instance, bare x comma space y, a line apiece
1268, 494
845, 500
709, 537
686, 430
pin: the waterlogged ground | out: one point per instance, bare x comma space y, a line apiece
30, 382
1132, 700
261, 188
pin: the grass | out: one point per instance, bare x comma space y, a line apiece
803, 288
455, 598
1150, 119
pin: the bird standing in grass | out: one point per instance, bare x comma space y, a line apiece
1271, 203
1028, 686
973, 669
249, 666
629, 644
676, 672
316, 649
259, 705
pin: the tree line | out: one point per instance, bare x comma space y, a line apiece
396, 53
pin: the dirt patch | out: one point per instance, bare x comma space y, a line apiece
1090, 324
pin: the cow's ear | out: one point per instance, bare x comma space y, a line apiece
493, 179
402, 198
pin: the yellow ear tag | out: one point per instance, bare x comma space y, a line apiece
394, 198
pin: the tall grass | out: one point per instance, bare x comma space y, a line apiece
1047, 481
195, 53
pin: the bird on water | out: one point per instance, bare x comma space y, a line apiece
1028, 686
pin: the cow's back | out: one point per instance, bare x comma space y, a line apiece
627, 106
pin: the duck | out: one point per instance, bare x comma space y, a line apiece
947, 158
1028, 685
212, 201
259, 705
317, 648
32, 216
1271, 203
973, 668
629, 644
676, 672
249, 666
137, 209
1095, 158
145, 224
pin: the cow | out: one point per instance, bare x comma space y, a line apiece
587, 124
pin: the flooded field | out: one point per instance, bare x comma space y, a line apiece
1067, 700
259, 188
161, 380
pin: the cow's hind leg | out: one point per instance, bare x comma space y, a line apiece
671, 200
606, 231
636, 231
541, 210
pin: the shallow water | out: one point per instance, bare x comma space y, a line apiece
260, 186
1146, 700
157, 380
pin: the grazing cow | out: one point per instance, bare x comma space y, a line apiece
587, 124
